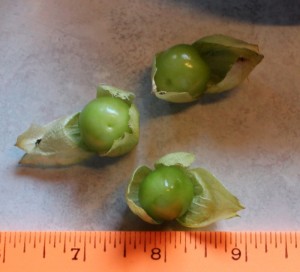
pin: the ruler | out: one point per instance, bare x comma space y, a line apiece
153, 251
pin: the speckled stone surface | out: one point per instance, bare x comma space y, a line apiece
54, 53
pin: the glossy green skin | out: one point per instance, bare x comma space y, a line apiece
102, 121
166, 193
181, 69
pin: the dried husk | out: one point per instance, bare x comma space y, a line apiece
57, 143
230, 60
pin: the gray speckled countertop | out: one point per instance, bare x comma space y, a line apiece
54, 53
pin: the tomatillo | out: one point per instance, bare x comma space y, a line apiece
108, 126
173, 190
166, 193
181, 69
102, 121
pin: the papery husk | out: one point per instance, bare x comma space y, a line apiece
212, 201
230, 60
183, 159
106, 90
57, 143
132, 192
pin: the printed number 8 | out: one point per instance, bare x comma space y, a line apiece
155, 253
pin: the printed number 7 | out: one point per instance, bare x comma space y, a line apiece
76, 249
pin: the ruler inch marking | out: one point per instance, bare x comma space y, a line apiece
65, 242
225, 246
145, 241
15, 238
260, 238
44, 246
185, 246
286, 247
104, 242
40, 237
140, 238
4, 249
54, 239
246, 247
115, 240
255, 239
165, 249
24, 243
134, 240
84, 247
216, 240
266, 243
150, 238
95, 241
34, 240
205, 245
75, 237
235, 239
175, 239
180, 237
90, 237
125, 248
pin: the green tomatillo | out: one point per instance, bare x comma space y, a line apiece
181, 71
166, 193
102, 121
173, 191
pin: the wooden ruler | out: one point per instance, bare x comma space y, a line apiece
149, 251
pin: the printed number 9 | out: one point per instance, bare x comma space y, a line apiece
236, 253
